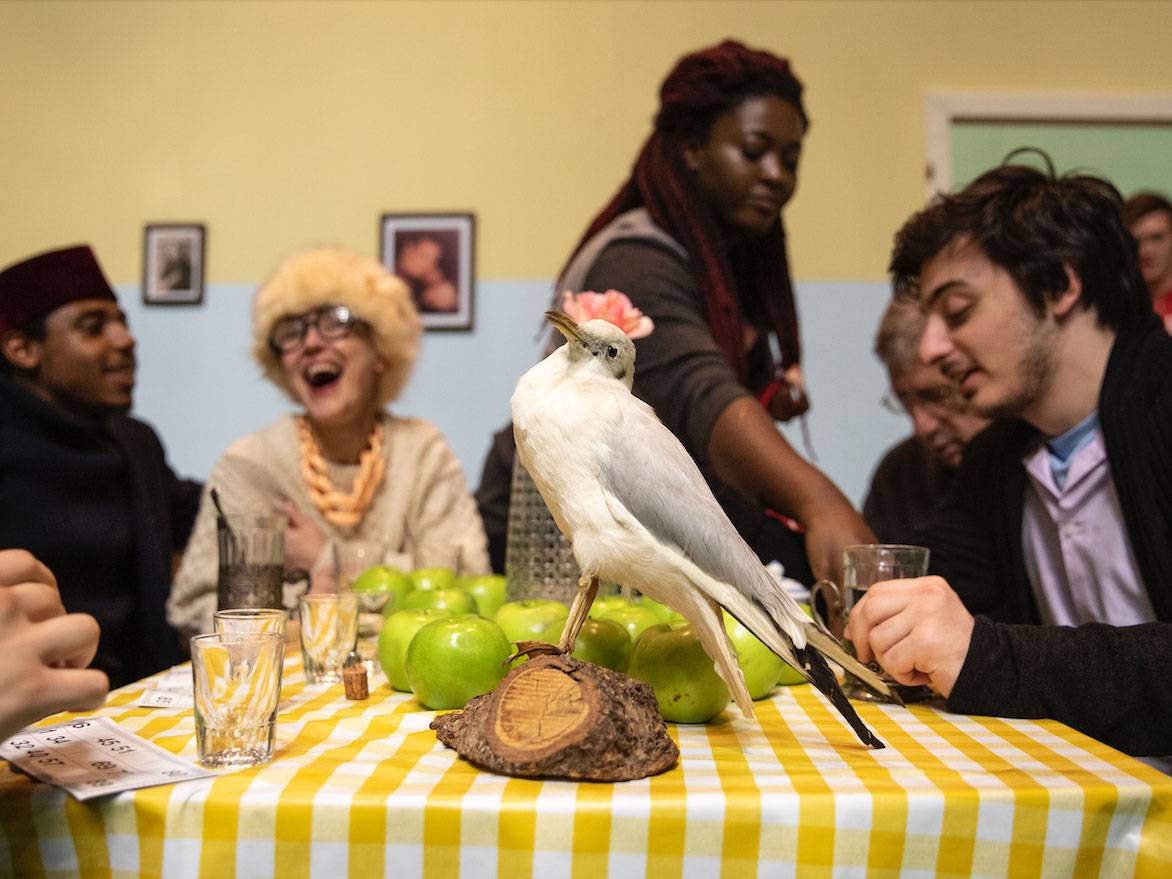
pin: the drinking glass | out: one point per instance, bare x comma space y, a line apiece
354, 557
248, 620
862, 567
236, 680
252, 561
329, 628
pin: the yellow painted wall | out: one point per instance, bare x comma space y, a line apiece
283, 124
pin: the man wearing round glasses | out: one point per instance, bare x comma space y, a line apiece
913, 477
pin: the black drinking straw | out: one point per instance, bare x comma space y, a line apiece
221, 519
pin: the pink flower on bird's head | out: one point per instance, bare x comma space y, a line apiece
611, 306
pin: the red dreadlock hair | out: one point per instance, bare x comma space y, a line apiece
755, 276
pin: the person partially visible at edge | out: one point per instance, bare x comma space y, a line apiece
84, 487
1148, 216
45, 650
695, 239
914, 476
1052, 594
337, 333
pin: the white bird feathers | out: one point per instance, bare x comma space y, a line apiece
637, 512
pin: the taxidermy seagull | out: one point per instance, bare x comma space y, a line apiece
637, 511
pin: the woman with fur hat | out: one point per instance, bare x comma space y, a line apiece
338, 334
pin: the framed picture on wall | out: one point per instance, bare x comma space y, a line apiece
432, 253
173, 264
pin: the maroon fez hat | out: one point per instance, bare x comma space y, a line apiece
43, 283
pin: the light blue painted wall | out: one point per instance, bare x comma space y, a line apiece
199, 388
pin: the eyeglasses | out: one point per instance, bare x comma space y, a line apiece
332, 322
941, 397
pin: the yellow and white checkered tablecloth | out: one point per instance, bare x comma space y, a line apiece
364, 789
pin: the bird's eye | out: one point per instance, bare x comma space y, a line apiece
612, 351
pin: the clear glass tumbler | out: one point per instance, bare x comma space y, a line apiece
237, 684
353, 558
329, 629
863, 566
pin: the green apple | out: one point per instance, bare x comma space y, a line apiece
451, 660
634, 618
398, 630
603, 603
790, 676
455, 600
760, 665
670, 658
605, 643
533, 619
660, 610
489, 592
383, 580
433, 578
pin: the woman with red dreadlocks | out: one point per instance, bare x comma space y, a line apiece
695, 239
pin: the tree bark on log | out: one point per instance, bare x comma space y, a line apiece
559, 717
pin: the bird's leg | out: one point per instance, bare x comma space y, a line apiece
587, 589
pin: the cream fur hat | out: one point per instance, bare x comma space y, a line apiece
331, 276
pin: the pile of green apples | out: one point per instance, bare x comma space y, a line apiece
447, 638
667, 654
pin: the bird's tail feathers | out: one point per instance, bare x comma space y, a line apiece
809, 662
704, 615
832, 649
820, 675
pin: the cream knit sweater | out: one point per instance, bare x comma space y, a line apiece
422, 506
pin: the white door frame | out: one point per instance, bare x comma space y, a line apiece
942, 109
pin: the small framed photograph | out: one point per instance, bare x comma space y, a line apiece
432, 253
173, 264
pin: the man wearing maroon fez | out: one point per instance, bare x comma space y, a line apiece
83, 486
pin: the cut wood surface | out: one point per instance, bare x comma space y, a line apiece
559, 717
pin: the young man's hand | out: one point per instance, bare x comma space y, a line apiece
917, 630
43, 650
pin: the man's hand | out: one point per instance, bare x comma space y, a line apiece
917, 630
43, 651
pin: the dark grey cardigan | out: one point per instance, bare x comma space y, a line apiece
1114, 684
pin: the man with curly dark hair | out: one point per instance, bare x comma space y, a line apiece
1056, 536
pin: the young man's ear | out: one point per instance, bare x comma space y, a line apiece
692, 156
1066, 301
20, 350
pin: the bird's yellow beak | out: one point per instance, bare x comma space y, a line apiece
565, 325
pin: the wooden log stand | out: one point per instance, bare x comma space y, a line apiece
559, 717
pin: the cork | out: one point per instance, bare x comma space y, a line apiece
354, 680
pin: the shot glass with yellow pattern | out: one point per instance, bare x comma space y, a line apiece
329, 629
237, 685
